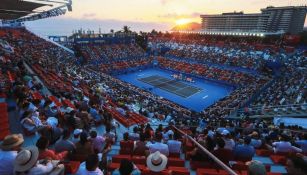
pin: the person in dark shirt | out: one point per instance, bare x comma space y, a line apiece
225, 155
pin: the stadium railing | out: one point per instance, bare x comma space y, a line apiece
214, 158
269, 111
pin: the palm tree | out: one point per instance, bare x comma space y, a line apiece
126, 29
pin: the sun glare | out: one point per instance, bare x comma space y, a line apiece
183, 21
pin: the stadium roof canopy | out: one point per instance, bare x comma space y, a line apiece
14, 9
29, 10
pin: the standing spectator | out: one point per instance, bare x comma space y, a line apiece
97, 141
109, 135
84, 147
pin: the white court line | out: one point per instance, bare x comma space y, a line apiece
205, 97
141, 75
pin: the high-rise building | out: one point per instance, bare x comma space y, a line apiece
288, 19
271, 20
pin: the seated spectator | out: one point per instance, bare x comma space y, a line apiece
256, 168
65, 144
42, 145
90, 166
126, 145
97, 141
27, 162
244, 152
53, 134
166, 134
255, 141
156, 162
284, 145
109, 135
296, 165
76, 135
126, 168
174, 146
85, 118
303, 143
84, 146
140, 146
158, 145
29, 124
135, 135
229, 142
225, 155
198, 154
95, 114
9, 149
121, 111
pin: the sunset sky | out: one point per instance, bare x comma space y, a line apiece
144, 15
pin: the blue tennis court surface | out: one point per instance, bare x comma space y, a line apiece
196, 96
174, 86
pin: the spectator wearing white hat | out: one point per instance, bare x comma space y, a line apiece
9, 149
27, 163
156, 162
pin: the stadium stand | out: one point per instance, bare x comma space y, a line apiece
127, 127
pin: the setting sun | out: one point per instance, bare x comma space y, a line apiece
183, 21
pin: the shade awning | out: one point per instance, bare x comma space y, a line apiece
14, 9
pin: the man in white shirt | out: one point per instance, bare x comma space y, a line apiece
166, 134
90, 166
174, 146
229, 142
284, 145
158, 146
9, 149
135, 135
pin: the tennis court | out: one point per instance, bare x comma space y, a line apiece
196, 96
174, 86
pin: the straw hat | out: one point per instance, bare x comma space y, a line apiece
26, 159
156, 161
11, 141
